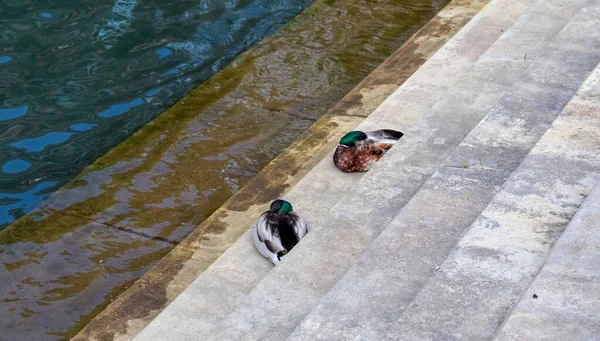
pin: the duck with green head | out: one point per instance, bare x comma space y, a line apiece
358, 151
278, 230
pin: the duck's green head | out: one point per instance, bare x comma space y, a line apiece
350, 139
280, 206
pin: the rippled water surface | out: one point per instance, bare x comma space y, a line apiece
78, 77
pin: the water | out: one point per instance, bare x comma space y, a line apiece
78, 77
86, 244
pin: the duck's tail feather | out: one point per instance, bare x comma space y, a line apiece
387, 134
384, 138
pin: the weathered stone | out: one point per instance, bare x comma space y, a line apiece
563, 301
277, 304
370, 296
492, 266
379, 287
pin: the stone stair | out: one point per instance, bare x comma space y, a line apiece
383, 258
386, 278
563, 302
470, 294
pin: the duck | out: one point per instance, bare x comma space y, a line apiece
278, 230
357, 151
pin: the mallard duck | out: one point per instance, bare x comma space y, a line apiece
278, 230
358, 151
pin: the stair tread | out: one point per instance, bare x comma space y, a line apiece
563, 302
283, 298
494, 263
381, 284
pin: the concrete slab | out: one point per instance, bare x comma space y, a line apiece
563, 301
507, 134
492, 266
539, 23
375, 291
209, 298
444, 69
428, 142
371, 295
282, 299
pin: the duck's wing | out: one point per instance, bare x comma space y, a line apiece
300, 225
262, 248
268, 234
384, 138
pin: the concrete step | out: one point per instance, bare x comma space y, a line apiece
219, 289
563, 302
411, 102
290, 291
377, 289
478, 285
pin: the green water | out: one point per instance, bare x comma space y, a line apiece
90, 240
78, 77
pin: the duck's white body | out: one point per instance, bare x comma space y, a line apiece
268, 237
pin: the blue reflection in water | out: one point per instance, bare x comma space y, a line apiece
82, 127
120, 109
163, 52
171, 72
46, 15
5, 59
38, 144
15, 166
9, 114
153, 92
22, 202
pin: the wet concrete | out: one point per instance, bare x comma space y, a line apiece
100, 233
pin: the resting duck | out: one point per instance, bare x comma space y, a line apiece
278, 230
358, 151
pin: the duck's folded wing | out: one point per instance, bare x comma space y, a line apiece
300, 225
268, 235
385, 137
375, 149
385, 134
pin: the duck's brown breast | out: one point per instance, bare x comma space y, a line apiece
350, 160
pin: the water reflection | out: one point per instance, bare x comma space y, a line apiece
15, 166
113, 64
22, 202
10, 113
